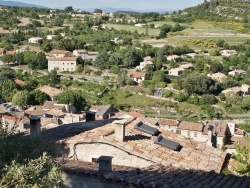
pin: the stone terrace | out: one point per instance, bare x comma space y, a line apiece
158, 176
193, 155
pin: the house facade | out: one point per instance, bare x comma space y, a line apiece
62, 64
228, 52
176, 71
85, 55
146, 61
237, 72
35, 40
138, 77
60, 53
219, 77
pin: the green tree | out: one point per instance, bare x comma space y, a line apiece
74, 98
159, 59
41, 172
21, 99
69, 9
159, 76
8, 89
200, 84
46, 46
37, 97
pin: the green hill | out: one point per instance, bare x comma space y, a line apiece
221, 10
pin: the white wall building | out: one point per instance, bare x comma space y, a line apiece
62, 64
35, 40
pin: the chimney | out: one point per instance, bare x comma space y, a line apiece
209, 135
105, 163
35, 126
120, 131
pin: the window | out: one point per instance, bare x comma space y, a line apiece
188, 133
178, 131
195, 134
95, 160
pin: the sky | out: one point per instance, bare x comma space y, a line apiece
134, 4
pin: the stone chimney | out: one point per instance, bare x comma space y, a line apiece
105, 163
120, 131
35, 126
210, 135
231, 126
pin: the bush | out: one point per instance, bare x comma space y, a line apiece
207, 99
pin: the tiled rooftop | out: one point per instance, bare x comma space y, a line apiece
184, 125
193, 155
158, 176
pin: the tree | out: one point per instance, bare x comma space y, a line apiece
41, 172
159, 59
159, 76
165, 28
200, 84
8, 89
97, 10
46, 46
74, 98
37, 97
69, 9
21, 99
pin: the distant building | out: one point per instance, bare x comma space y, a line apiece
137, 76
85, 55
243, 90
174, 58
140, 25
50, 37
228, 52
176, 71
146, 61
62, 64
220, 77
237, 72
35, 40
103, 112
50, 91
60, 53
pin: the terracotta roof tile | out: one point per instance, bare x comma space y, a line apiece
157, 175
184, 125
51, 91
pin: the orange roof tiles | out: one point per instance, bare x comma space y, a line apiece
136, 114
184, 125
62, 59
51, 91
170, 122
19, 82
59, 52
137, 74
193, 155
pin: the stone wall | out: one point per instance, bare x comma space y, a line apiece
88, 151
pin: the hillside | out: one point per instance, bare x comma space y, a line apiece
19, 4
221, 10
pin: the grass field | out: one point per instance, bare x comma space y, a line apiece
152, 32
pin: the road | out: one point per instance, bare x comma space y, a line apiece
87, 77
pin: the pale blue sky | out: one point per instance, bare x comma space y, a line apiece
134, 4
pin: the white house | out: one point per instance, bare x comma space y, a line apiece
228, 52
35, 40
237, 72
62, 64
176, 71
85, 54
146, 61
137, 76
60, 53
192, 130
50, 37
220, 77
174, 58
